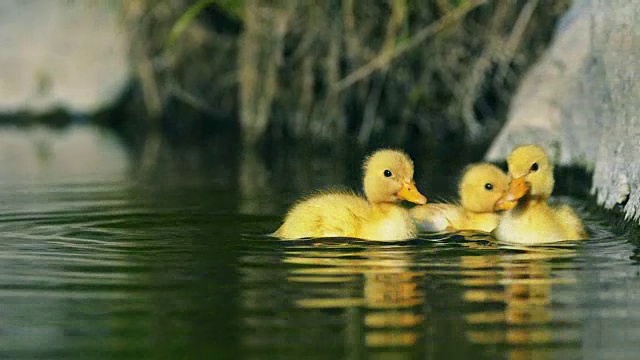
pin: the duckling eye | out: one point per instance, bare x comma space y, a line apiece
387, 173
488, 186
534, 167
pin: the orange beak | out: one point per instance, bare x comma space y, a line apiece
518, 188
410, 193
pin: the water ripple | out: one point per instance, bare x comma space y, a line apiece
109, 269
527, 299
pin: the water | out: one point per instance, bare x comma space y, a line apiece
180, 267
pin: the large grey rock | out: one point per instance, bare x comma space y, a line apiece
63, 54
582, 100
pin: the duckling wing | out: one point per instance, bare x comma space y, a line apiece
336, 214
570, 222
437, 217
484, 222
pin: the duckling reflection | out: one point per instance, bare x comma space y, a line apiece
378, 280
522, 283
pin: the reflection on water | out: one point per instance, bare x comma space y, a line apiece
524, 292
40, 155
130, 271
390, 291
439, 297
387, 295
95, 270
181, 267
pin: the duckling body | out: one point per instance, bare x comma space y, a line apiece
529, 218
534, 221
438, 217
485, 222
573, 228
480, 187
388, 179
343, 214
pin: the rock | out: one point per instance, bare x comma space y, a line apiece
61, 54
582, 100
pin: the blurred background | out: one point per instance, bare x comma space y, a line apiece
240, 92
178, 81
147, 148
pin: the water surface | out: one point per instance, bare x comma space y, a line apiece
183, 268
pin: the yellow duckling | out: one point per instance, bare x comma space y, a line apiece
480, 187
388, 178
530, 219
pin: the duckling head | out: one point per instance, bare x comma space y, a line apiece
481, 186
388, 178
530, 173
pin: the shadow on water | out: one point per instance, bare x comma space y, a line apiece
103, 264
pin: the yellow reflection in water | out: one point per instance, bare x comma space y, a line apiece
390, 338
522, 283
377, 280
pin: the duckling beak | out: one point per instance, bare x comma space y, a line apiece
518, 188
503, 204
410, 193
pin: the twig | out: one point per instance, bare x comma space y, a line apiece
480, 70
516, 37
191, 99
150, 89
388, 55
370, 113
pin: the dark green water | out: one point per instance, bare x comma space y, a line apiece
182, 269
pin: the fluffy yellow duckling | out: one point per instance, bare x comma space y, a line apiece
530, 219
388, 178
480, 187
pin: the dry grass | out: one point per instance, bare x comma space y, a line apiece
329, 69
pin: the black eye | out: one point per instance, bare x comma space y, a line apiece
488, 186
534, 167
387, 173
